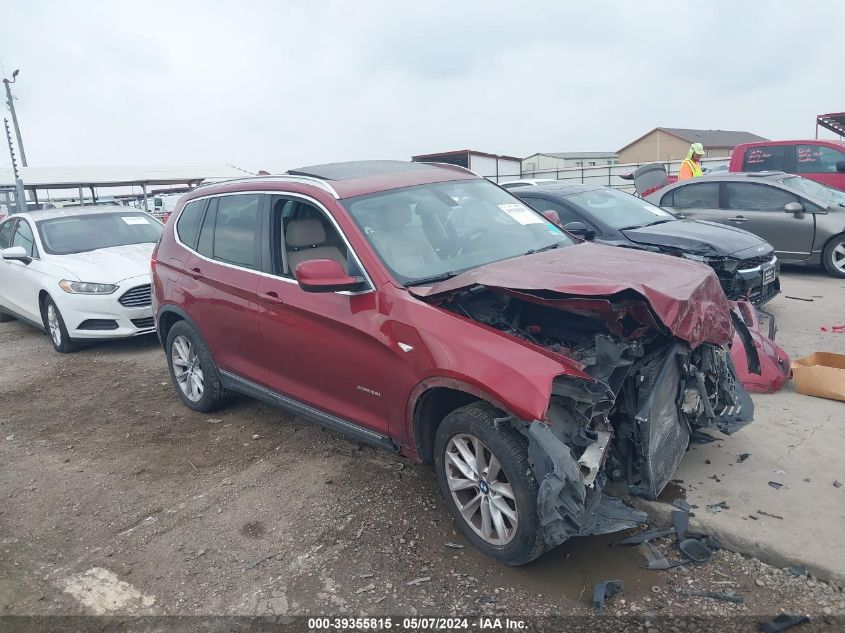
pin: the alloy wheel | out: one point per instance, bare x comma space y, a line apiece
54, 325
838, 257
481, 489
187, 368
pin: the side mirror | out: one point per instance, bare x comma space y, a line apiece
324, 275
840, 166
16, 254
581, 230
795, 208
552, 216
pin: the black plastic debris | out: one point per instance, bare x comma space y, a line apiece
776, 485
798, 570
680, 522
695, 550
716, 595
682, 505
712, 542
742, 457
782, 622
716, 508
837, 484
604, 590
766, 514
699, 437
656, 559
644, 537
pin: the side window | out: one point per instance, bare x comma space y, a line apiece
566, 215
236, 230
6, 230
302, 232
754, 197
205, 243
23, 237
188, 224
768, 158
817, 159
701, 195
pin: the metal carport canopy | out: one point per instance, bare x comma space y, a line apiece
835, 122
74, 177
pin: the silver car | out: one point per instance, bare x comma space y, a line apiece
803, 219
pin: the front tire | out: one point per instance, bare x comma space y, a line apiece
56, 329
488, 485
192, 370
833, 256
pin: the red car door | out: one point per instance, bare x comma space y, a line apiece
220, 282
327, 350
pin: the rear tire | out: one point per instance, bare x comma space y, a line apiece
499, 504
56, 330
833, 256
192, 370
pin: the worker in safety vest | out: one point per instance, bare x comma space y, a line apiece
691, 165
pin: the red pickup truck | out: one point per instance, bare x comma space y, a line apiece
822, 161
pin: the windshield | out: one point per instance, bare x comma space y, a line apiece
813, 188
427, 232
81, 233
618, 209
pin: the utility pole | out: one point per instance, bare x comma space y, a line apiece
10, 101
20, 195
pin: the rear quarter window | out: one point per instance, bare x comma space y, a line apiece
188, 224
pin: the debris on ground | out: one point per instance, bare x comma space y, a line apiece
837, 483
836, 329
418, 581
695, 550
454, 545
742, 457
604, 590
798, 570
699, 437
766, 514
682, 505
782, 622
680, 521
776, 485
716, 508
656, 559
798, 298
716, 595
644, 537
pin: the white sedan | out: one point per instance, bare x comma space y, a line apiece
78, 273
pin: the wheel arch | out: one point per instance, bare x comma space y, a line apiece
168, 316
431, 401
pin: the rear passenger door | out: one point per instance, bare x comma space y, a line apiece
760, 209
326, 350
220, 280
697, 200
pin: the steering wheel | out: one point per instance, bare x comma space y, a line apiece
468, 237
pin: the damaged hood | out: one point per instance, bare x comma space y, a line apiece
684, 296
697, 237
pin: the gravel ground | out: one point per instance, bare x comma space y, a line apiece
119, 500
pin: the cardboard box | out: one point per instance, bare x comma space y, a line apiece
821, 374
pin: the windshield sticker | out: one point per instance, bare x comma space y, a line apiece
521, 213
655, 210
134, 219
555, 231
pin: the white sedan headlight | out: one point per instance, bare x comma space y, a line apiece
86, 288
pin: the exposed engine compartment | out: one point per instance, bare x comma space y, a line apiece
650, 391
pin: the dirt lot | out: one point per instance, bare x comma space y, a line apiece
117, 499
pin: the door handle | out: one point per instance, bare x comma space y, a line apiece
195, 273
738, 218
272, 298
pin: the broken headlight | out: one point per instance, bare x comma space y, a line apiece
720, 264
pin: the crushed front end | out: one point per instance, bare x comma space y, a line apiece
649, 390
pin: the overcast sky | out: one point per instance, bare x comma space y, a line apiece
282, 84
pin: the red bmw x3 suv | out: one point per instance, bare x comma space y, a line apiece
425, 310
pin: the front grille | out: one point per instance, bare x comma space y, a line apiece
137, 297
98, 324
753, 262
143, 324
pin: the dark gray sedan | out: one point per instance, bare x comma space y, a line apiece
745, 264
804, 220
